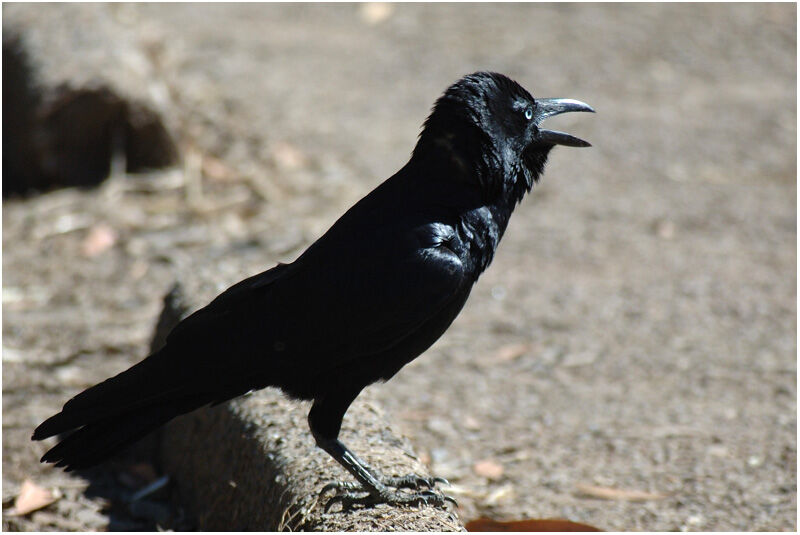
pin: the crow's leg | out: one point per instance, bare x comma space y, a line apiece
375, 488
325, 420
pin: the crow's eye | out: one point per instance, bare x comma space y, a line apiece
528, 113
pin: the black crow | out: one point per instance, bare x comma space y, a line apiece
374, 292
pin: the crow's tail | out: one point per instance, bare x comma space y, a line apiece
119, 411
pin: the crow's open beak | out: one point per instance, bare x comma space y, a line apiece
547, 107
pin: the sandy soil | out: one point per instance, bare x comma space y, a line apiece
637, 330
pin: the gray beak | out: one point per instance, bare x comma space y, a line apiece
547, 107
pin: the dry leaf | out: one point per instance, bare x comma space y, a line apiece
498, 495
608, 493
665, 229
31, 498
424, 458
550, 524
510, 352
488, 468
100, 238
215, 169
375, 12
471, 423
288, 156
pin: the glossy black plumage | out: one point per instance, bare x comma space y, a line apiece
374, 292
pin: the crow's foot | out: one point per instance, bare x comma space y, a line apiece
410, 481
413, 481
355, 494
374, 488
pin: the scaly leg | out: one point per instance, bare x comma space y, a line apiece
325, 420
378, 488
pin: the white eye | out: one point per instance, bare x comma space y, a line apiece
529, 113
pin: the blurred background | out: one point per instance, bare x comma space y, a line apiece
628, 361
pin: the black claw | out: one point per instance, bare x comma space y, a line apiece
348, 499
329, 486
336, 499
430, 497
348, 493
413, 481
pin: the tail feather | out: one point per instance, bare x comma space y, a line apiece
141, 385
120, 410
99, 440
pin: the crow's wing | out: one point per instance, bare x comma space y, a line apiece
342, 299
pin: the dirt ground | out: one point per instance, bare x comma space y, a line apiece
635, 337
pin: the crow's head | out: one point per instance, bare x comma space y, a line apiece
486, 128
